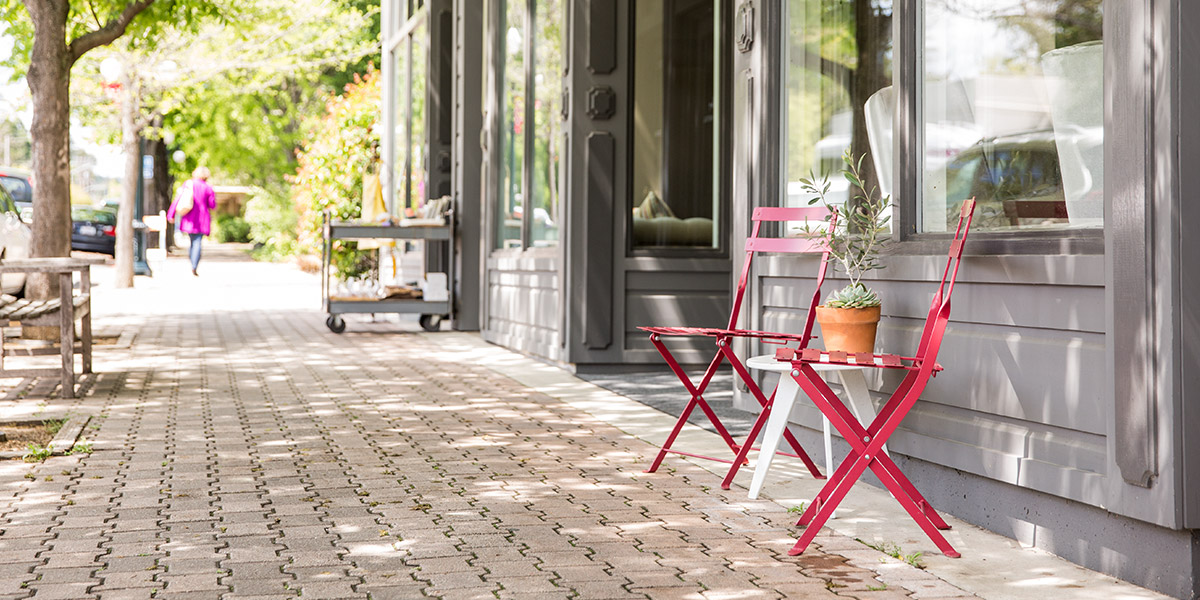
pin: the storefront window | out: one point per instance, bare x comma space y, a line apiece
411, 58
547, 130
675, 186
512, 156
1013, 114
417, 119
839, 95
529, 196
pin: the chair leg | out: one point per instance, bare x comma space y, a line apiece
866, 452
745, 451
740, 369
697, 399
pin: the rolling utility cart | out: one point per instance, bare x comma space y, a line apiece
428, 231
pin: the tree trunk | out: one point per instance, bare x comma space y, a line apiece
130, 135
49, 85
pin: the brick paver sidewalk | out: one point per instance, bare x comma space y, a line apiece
243, 452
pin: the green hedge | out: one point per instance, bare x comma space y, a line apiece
232, 228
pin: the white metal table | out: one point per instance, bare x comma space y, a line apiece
786, 394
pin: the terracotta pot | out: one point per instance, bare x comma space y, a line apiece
848, 329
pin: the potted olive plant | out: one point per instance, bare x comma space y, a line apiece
849, 317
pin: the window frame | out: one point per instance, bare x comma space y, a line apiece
724, 151
908, 31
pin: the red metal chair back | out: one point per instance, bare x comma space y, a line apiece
939, 309
757, 243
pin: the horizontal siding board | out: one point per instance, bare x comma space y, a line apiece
1051, 377
531, 260
535, 308
676, 310
527, 281
995, 448
1054, 377
1027, 270
521, 337
669, 282
1071, 308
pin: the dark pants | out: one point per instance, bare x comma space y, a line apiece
194, 248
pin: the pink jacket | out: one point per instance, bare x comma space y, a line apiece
199, 219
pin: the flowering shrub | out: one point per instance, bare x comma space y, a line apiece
338, 150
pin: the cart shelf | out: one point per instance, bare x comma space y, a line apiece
432, 311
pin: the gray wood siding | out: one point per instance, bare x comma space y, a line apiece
523, 305
673, 294
1022, 399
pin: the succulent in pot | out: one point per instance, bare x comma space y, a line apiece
849, 317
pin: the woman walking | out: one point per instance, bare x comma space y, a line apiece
193, 207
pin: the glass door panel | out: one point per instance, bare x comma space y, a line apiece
547, 130
839, 95
510, 196
676, 190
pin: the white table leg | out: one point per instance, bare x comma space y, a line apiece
855, 384
785, 397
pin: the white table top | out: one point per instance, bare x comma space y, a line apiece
767, 362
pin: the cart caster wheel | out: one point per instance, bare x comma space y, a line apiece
335, 323
431, 322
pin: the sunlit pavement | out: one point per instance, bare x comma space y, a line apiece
241, 450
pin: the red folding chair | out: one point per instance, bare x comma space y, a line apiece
866, 445
756, 243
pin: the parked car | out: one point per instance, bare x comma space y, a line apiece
94, 229
1015, 180
15, 239
17, 182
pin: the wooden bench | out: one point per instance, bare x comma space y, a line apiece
62, 311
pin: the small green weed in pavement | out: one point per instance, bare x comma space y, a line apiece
800, 509
894, 551
81, 447
914, 559
53, 425
35, 453
877, 588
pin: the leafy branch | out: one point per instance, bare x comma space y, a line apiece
860, 234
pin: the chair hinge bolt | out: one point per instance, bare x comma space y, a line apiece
795, 372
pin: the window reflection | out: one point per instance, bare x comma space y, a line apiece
417, 120
512, 129
839, 94
547, 131
1013, 113
412, 66
675, 185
